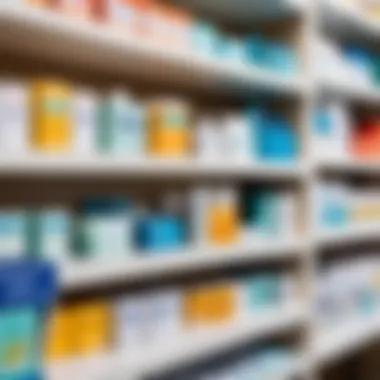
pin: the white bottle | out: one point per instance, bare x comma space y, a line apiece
165, 322
341, 132
200, 200
236, 138
287, 215
14, 118
85, 113
131, 323
208, 139
135, 128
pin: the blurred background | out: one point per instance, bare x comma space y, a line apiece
189, 189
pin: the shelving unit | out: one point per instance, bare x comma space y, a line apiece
350, 92
244, 11
349, 167
39, 34
347, 20
349, 338
350, 234
194, 347
83, 275
105, 167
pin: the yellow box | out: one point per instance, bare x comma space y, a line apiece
94, 322
220, 303
168, 129
211, 305
60, 334
52, 119
222, 224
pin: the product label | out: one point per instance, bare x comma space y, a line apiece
174, 119
107, 236
56, 106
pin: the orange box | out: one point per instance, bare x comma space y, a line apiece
222, 224
51, 116
211, 304
169, 129
366, 140
60, 334
94, 327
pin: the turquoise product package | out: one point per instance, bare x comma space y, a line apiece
27, 290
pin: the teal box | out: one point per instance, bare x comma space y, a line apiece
205, 39
104, 227
121, 127
262, 212
19, 331
262, 292
13, 234
49, 234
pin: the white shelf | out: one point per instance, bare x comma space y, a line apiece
352, 93
349, 21
349, 234
350, 166
199, 345
103, 166
95, 273
243, 12
40, 33
334, 345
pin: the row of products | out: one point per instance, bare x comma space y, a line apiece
151, 320
350, 65
50, 116
116, 227
176, 29
340, 206
348, 291
368, 8
267, 362
337, 136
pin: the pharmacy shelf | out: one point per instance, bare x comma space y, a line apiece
151, 168
331, 346
349, 92
349, 167
192, 347
243, 12
348, 21
77, 276
348, 235
39, 33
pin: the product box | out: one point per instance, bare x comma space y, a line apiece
168, 129
27, 290
14, 118
51, 116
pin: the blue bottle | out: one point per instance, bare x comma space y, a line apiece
281, 58
256, 50
277, 140
160, 234
360, 58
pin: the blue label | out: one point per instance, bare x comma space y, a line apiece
323, 124
27, 283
